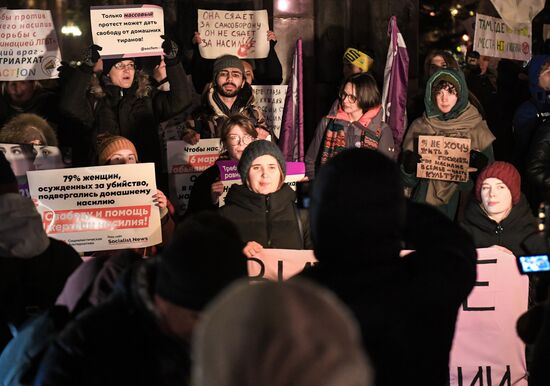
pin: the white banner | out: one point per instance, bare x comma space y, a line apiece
279, 264
486, 347
240, 33
127, 30
271, 100
28, 45
494, 38
99, 208
185, 163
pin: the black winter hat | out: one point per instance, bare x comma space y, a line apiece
8, 182
257, 149
227, 61
109, 63
205, 255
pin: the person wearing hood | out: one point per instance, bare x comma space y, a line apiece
500, 214
33, 267
229, 93
263, 208
121, 101
141, 335
406, 306
355, 121
450, 114
533, 112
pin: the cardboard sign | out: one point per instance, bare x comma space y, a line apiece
99, 208
494, 38
229, 175
486, 346
279, 264
125, 31
240, 33
185, 163
271, 100
443, 158
28, 45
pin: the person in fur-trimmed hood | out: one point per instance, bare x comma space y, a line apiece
228, 94
33, 267
121, 101
450, 114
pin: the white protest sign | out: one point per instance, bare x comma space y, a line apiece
494, 38
240, 33
486, 346
185, 163
29, 45
271, 101
99, 208
279, 264
229, 175
127, 30
443, 158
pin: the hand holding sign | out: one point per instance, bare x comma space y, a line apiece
252, 248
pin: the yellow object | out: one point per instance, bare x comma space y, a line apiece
358, 58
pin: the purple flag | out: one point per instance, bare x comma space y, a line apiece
396, 78
291, 140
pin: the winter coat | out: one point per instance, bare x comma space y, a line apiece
135, 113
119, 342
406, 306
200, 198
33, 267
379, 131
517, 232
44, 103
271, 220
537, 166
208, 119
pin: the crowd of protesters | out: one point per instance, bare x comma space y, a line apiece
363, 315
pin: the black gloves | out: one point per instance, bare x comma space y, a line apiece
478, 160
170, 49
409, 160
92, 55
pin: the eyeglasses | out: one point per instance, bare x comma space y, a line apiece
235, 139
344, 95
127, 66
232, 74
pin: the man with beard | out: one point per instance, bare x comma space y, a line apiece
228, 94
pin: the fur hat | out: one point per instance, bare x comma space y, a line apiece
204, 257
26, 128
227, 61
505, 172
8, 182
257, 149
109, 144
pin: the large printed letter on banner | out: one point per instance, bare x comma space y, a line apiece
279, 264
127, 31
99, 208
486, 346
185, 163
494, 38
29, 45
239, 33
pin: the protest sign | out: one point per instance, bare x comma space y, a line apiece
126, 31
494, 38
229, 175
271, 101
99, 208
486, 347
279, 264
443, 158
240, 33
185, 163
28, 45
170, 130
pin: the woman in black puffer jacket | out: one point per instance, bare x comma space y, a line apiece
263, 208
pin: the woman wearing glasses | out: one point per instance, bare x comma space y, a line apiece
356, 121
236, 134
120, 100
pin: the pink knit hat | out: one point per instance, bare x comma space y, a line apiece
505, 172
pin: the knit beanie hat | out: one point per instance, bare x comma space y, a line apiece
227, 61
109, 144
27, 128
257, 149
205, 256
109, 63
505, 172
8, 182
